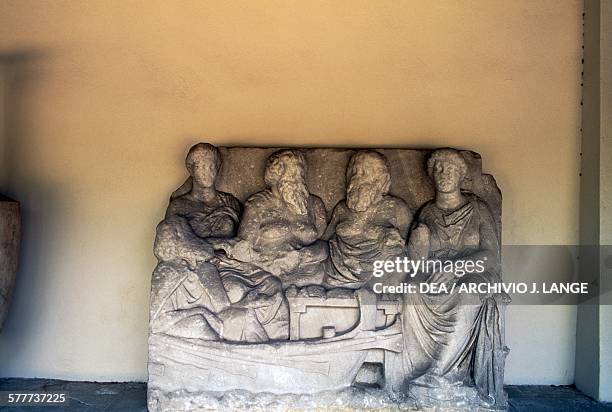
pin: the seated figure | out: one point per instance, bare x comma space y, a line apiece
453, 339
193, 295
369, 225
281, 227
188, 298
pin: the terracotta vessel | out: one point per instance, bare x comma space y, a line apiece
10, 238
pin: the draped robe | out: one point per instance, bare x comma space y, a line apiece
452, 338
358, 239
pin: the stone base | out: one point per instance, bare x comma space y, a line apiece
354, 398
449, 398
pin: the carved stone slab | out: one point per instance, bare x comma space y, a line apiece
263, 293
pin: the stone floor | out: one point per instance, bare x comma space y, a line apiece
131, 397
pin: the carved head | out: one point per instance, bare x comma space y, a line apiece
175, 242
368, 180
286, 172
448, 169
203, 163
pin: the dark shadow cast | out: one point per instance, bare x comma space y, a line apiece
22, 72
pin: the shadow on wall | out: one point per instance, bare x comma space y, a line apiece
20, 73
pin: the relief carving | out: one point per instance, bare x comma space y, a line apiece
277, 295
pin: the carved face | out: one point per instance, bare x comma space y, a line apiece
361, 194
292, 188
203, 169
286, 172
447, 177
368, 182
176, 242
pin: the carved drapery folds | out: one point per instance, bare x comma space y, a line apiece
266, 278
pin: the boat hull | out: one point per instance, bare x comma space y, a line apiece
287, 367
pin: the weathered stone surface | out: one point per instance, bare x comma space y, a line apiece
264, 292
10, 237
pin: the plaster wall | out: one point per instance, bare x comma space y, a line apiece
107, 97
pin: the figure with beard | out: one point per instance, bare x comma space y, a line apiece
369, 225
281, 227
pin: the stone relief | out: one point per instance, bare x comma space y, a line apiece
272, 303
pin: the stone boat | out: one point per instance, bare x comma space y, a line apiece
304, 366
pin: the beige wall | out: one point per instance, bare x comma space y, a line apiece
108, 96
